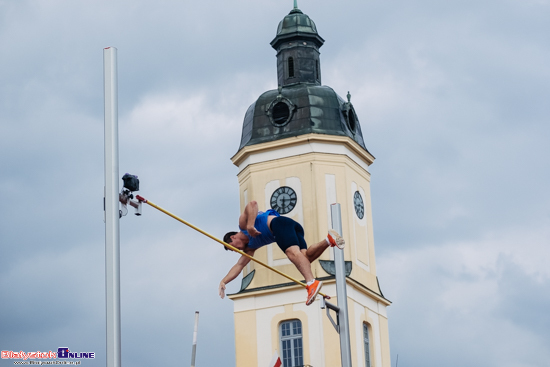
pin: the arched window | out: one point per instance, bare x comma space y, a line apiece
366, 343
291, 67
292, 354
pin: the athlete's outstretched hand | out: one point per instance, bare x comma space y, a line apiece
221, 289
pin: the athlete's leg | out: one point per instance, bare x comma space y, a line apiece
290, 237
333, 240
301, 262
312, 253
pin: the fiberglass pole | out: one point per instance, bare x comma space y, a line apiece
341, 292
112, 225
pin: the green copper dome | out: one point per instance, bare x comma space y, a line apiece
296, 21
297, 110
296, 25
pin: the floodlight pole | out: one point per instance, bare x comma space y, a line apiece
341, 292
112, 224
194, 350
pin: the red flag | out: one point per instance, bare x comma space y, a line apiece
275, 361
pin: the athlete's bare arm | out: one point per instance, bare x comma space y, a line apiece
235, 271
247, 218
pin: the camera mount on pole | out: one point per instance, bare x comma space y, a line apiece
126, 196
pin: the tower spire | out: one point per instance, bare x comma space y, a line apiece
297, 44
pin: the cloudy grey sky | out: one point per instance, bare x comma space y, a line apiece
453, 100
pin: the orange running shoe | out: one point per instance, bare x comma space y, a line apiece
335, 239
312, 291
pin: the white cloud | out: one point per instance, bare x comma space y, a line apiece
456, 293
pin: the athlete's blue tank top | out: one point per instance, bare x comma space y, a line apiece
266, 237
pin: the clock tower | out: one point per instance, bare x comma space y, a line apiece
301, 150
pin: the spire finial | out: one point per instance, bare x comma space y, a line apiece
295, 4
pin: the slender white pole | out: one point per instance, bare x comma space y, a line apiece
112, 225
194, 351
341, 291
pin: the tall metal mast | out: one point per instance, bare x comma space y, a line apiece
195, 331
112, 224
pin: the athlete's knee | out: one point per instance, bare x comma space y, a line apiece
306, 255
293, 250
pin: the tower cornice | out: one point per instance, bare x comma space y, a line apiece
328, 283
302, 144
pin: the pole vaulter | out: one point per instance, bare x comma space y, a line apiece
141, 199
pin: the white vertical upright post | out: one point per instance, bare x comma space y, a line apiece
341, 291
112, 231
194, 351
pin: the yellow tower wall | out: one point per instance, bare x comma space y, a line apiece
258, 316
322, 170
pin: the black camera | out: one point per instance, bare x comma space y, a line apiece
131, 182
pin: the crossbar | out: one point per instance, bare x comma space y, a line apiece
143, 200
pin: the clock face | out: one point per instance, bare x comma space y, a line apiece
283, 200
358, 204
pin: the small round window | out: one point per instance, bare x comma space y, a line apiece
280, 113
352, 121
350, 117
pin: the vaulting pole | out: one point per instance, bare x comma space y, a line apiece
112, 225
143, 200
341, 292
